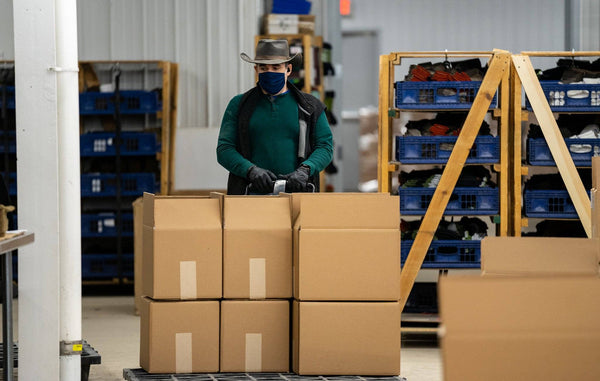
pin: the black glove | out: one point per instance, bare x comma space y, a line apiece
297, 181
262, 180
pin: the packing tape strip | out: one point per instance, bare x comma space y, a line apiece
258, 282
253, 352
187, 280
183, 352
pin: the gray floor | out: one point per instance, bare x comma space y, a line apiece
110, 326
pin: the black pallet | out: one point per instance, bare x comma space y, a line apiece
142, 375
89, 356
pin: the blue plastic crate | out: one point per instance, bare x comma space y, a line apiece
447, 254
571, 96
438, 95
105, 266
132, 184
463, 201
549, 204
10, 97
105, 225
12, 184
12, 141
132, 102
437, 149
581, 150
103, 144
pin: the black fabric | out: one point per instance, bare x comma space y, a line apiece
447, 230
556, 228
554, 181
309, 110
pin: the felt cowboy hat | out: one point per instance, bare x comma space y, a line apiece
270, 52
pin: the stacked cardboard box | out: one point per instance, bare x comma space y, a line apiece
182, 266
257, 284
346, 315
533, 315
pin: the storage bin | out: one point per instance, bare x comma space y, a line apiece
581, 150
549, 204
438, 95
437, 149
104, 144
105, 225
570, 97
132, 102
463, 201
106, 266
447, 254
132, 184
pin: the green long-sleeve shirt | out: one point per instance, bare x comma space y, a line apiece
273, 133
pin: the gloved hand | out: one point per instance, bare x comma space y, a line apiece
262, 179
297, 181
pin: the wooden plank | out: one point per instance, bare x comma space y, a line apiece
498, 65
174, 84
505, 151
383, 152
596, 172
307, 53
165, 127
555, 141
562, 54
516, 117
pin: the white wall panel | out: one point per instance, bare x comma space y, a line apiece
590, 25
7, 49
514, 25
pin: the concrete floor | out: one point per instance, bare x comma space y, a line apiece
110, 326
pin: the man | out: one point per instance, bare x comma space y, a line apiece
274, 131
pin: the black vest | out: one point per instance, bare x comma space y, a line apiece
309, 110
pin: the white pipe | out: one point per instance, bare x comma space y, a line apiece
69, 183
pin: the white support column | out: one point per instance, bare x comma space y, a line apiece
48, 184
69, 186
38, 191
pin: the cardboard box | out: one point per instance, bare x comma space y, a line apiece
179, 336
525, 256
525, 328
182, 246
345, 338
289, 24
138, 223
255, 336
257, 247
347, 248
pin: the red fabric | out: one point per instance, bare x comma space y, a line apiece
438, 130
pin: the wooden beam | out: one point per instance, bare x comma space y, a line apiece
555, 141
562, 54
498, 65
505, 151
174, 85
165, 128
384, 177
516, 117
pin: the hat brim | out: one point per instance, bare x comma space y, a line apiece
273, 61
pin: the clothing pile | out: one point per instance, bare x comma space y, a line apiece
556, 228
573, 126
554, 181
466, 70
572, 71
444, 124
467, 228
471, 176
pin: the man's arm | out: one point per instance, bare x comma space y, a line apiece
323, 149
227, 153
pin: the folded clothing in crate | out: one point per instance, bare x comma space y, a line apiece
465, 70
467, 228
444, 123
471, 176
583, 126
557, 228
570, 70
553, 181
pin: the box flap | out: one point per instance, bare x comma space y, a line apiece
530, 305
349, 210
256, 212
176, 212
539, 255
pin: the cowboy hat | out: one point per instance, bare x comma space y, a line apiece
270, 52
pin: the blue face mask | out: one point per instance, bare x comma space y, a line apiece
271, 82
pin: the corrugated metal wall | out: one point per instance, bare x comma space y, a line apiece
204, 37
513, 25
590, 25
